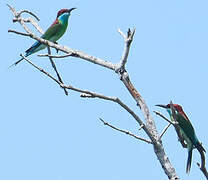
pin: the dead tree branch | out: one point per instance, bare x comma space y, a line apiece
125, 132
162, 116
54, 56
202, 167
149, 127
55, 69
87, 93
164, 131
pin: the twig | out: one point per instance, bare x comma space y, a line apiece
89, 94
165, 129
21, 12
40, 69
55, 69
12, 9
159, 114
169, 123
124, 131
122, 34
17, 32
29, 12
35, 24
120, 68
141, 127
55, 56
202, 166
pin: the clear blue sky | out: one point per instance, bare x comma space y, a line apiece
45, 135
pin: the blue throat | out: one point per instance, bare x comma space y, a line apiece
169, 112
64, 18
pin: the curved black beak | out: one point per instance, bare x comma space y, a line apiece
162, 106
71, 9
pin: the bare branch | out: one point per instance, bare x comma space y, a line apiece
40, 69
29, 12
54, 56
164, 131
169, 123
55, 69
141, 127
202, 167
89, 93
150, 127
17, 32
119, 68
128, 39
35, 24
126, 132
18, 18
16, 15
72, 52
122, 34
12, 9
162, 116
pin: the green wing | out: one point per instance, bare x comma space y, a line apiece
187, 128
53, 32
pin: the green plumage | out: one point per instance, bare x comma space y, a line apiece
185, 131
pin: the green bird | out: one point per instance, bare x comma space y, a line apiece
53, 33
186, 130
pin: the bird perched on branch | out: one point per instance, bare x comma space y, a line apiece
186, 130
53, 33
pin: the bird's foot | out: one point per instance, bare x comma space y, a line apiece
56, 49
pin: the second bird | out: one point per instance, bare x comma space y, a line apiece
186, 131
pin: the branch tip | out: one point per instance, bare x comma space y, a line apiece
29, 12
121, 33
125, 132
141, 127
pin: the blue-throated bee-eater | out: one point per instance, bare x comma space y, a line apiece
53, 33
186, 130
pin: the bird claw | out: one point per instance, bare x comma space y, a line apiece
56, 49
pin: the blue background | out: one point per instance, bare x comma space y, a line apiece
47, 135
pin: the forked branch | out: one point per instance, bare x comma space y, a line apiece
149, 126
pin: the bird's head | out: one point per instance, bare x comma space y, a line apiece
65, 12
177, 107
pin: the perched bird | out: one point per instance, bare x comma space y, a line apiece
53, 33
186, 130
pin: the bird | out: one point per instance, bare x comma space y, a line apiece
186, 130
53, 33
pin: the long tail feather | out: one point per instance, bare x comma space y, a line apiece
17, 62
188, 165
